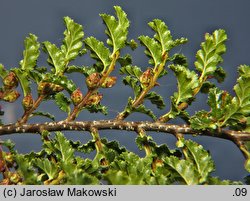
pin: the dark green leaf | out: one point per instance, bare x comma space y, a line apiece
44, 114
72, 42
133, 83
220, 74
125, 61
63, 102
30, 54
179, 59
142, 109
97, 108
155, 99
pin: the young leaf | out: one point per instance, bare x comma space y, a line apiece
48, 167
155, 99
163, 35
23, 79
131, 70
98, 52
187, 82
56, 57
210, 54
63, 102
201, 158
133, 83
184, 168
30, 54
72, 42
153, 50
117, 30
43, 114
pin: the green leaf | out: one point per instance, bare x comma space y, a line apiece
63, 102
210, 54
220, 74
97, 108
72, 43
117, 29
202, 121
187, 81
131, 70
153, 50
3, 71
56, 57
43, 114
163, 35
184, 168
244, 70
125, 61
30, 54
48, 167
98, 52
179, 59
63, 147
202, 159
23, 79
63, 81
142, 109
81, 69
133, 83
155, 99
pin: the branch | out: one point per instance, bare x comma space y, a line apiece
121, 125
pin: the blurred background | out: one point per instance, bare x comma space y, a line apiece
187, 18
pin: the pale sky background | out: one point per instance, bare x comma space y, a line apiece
187, 18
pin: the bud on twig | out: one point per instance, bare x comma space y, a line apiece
93, 80
10, 81
109, 82
46, 88
94, 99
27, 102
11, 96
76, 96
146, 77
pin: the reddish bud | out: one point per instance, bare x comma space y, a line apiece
11, 96
93, 80
10, 81
5, 182
109, 82
76, 96
27, 102
94, 99
146, 77
46, 88
8, 157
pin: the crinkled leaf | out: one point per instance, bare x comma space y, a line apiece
153, 50
117, 29
244, 70
187, 82
202, 159
184, 168
179, 59
133, 83
23, 79
85, 148
56, 57
63, 81
48, 167
132, 44
63, 102
63, 148
131, 70
97, 108
210, 54
31, 53
206, 86
220, 74
217, 181
73, 36
43, 114
155, 99
125, 60
202, 121
163, 35
98, 52
142, 109
80, 69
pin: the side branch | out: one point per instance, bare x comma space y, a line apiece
122, 125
